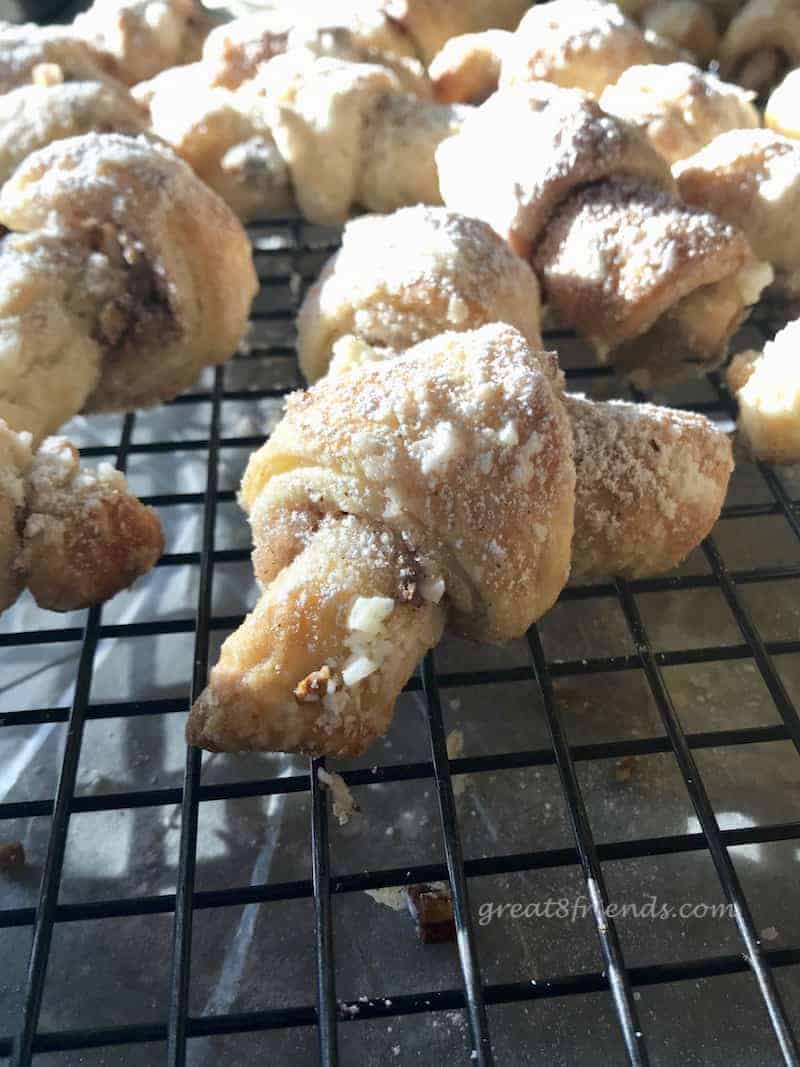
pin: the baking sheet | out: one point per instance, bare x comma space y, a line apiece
116, 971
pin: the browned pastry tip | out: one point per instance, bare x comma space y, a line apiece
86, 537
649, 485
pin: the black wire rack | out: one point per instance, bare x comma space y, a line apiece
289, 254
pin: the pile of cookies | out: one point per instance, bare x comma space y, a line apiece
609, 168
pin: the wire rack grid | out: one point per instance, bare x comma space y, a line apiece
288, 255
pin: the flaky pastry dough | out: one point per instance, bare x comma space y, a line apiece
751, 178
767, 386
168, 274
74, 537
656, 286
350, 136
678, 107
144, 37
584, 45
399, 279
435, 489
33, 116
223, 136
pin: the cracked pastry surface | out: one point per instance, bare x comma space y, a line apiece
678, 107
751, 178
400, 278
33, 116
405, 486
74, 537
430, 23
767, 387
172, 275
144, 37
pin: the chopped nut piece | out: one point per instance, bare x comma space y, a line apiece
313, 687
12, 854
625, 768
431, 907
344, 803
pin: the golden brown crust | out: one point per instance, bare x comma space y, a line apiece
752, 179
576, 143
467, 68
401, 278
443, 477
143, 37
177, 280
35, 115
74, 537
577, 46
761, 44
619, 260
86, 536
650, 483
678, 107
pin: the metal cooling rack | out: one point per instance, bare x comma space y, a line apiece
288, 255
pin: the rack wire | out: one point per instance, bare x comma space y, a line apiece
289, 254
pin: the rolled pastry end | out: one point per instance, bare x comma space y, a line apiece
318, 664
767, 386
86, 536
467, 70
656, 286
650, 483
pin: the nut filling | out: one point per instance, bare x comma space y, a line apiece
139, 312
